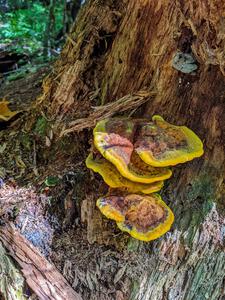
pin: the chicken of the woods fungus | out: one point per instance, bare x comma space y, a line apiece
144, 217
161, 144
133, 156
114, 140
114, 179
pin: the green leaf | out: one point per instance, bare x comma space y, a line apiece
51, 181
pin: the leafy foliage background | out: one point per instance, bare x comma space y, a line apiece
23, 29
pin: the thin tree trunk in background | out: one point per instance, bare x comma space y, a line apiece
71, 9
48, 42
64, 17
123, 47
52, 24
76, 5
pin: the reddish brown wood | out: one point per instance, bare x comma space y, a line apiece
41, 276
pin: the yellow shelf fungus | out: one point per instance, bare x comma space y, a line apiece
133, 154
161, 144
114, 179
144, 217
113, 138
111, 207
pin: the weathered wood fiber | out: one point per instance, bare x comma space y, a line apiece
41, 276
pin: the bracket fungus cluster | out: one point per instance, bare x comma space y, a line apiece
133, 157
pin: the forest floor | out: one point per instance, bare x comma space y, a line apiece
41, 196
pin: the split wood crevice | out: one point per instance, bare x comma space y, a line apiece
133, 156
126, 103
41, 276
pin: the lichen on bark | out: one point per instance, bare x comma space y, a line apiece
12, 283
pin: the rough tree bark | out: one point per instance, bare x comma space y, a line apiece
119, 48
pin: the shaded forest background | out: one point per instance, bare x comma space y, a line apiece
32, 33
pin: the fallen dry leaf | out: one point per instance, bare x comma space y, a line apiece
5, 113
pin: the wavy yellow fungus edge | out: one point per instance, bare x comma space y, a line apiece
179, 156
112, 177
109, 212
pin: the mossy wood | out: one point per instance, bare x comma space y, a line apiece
120, 48
12, 283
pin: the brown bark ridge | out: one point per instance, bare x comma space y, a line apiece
41, 276
118, 48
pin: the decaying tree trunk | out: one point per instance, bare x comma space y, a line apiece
173, 52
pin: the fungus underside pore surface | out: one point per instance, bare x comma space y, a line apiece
114, 179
